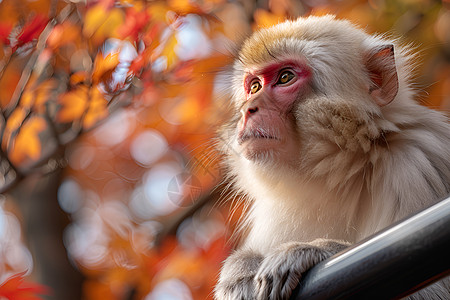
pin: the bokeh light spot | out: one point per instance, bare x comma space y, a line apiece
172, 289
148, 147
70, 196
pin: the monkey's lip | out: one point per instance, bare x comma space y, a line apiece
254, 134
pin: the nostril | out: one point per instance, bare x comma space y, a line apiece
252, 110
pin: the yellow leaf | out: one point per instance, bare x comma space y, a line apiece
27, 144
73, 104
169, 51
98, 109
158, 11
109, 28
101, 23
95, 17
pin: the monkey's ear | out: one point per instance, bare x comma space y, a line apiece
380, 64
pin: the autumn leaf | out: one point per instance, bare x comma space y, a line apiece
97, 110
37, 96
15, 288
27, 144
264, 19
63, 34
95, 17
73, 104
168, 51
32, 29
15, 120
83, 102
102, 22
104, 66
135, 21
136, 65
185, 6
78, 77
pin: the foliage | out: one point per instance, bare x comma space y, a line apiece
15, 288
121, 94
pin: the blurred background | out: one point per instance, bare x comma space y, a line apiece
109, 179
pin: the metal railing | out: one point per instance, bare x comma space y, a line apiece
391, 264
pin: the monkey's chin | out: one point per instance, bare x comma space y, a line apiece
261, 150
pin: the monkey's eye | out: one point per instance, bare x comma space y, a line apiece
285, 77
256, 86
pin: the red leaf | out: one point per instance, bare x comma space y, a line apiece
135, 21
136, 65
32, 29
15, 288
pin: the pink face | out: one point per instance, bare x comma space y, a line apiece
267, 123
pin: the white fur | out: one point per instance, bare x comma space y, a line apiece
360, 167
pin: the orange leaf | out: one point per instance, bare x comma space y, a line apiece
98, 109
37, 96
15, 120
27, 144
78, 77
73, 104
184, 6
15, 288
104, 66
63, 34
266, 19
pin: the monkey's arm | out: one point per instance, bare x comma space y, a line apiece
280, 271
237, 276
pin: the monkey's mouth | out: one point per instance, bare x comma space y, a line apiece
254, 134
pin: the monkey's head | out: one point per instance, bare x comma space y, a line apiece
309, 95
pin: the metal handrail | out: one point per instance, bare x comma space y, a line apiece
393, 263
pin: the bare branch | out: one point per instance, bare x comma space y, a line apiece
6, 60
28, 70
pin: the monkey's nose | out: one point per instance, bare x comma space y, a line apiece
252, 110
247, 112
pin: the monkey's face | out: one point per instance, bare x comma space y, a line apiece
266, 126
306, 93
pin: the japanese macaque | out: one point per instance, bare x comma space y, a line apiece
329, 146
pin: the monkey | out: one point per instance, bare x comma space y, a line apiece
328, 145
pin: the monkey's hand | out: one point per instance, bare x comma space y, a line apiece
280, 271
236, 281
